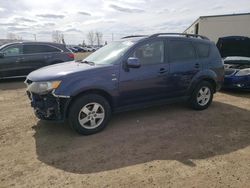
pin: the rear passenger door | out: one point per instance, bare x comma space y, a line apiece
184, 65
203, 53
33, 57
38, 55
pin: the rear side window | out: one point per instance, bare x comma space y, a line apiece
31, 49
202, 50
181, 51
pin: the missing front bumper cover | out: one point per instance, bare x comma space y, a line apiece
47, 107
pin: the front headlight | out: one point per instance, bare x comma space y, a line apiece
243, 72
43, 87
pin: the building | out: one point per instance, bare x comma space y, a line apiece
218, 26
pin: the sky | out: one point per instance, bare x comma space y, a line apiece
116, 18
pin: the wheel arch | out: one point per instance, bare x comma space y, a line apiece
212, 82
100, 92
209, 79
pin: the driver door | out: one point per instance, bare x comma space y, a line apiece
149, 82
10, 64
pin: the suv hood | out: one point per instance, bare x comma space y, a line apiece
54, 72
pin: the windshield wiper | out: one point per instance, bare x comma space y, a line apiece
88, 62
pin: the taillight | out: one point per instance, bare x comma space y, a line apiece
70, 55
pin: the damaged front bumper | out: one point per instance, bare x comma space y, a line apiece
49, 106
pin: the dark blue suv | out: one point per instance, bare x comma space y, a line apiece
135, 72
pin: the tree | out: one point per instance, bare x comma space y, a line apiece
62, 37
58, 37
83, 43
98, 38
13, 36
91, 38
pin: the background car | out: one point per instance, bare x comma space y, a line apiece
79, 49
90, 49
235, 50
19, 59
72, 49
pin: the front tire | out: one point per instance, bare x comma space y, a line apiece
202, 96
89, 114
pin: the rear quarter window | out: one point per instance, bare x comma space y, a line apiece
202, 49
181, 51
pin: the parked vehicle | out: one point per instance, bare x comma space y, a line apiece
131, 73
20, 58
236, 53
90, 49
72, 49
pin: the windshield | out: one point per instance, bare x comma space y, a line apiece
109, 53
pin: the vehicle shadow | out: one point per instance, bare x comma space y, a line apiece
237, 93
12, 84
170, 132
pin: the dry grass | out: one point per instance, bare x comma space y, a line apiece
80, 56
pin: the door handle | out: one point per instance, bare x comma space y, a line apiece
162, 71
19, 59
197, 65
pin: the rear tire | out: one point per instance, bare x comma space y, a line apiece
89, 114
202, 96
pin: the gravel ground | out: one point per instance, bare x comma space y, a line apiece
168, 146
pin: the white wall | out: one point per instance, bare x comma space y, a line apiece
215, 27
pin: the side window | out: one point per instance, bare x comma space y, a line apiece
31, 49
150, 53
49, 48
181, 51
12, 50
202, 50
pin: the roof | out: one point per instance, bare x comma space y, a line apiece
214, 16
136, 38
32, 42
224, 15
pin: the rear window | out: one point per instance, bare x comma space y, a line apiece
202, 50
181, 51
31, 49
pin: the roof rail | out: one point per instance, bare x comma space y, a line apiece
181, 34
133, 36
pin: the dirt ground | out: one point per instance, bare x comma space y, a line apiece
168, 146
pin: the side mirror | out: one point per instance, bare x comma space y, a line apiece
133, 62
1, 55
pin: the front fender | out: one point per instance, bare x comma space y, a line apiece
103, 79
